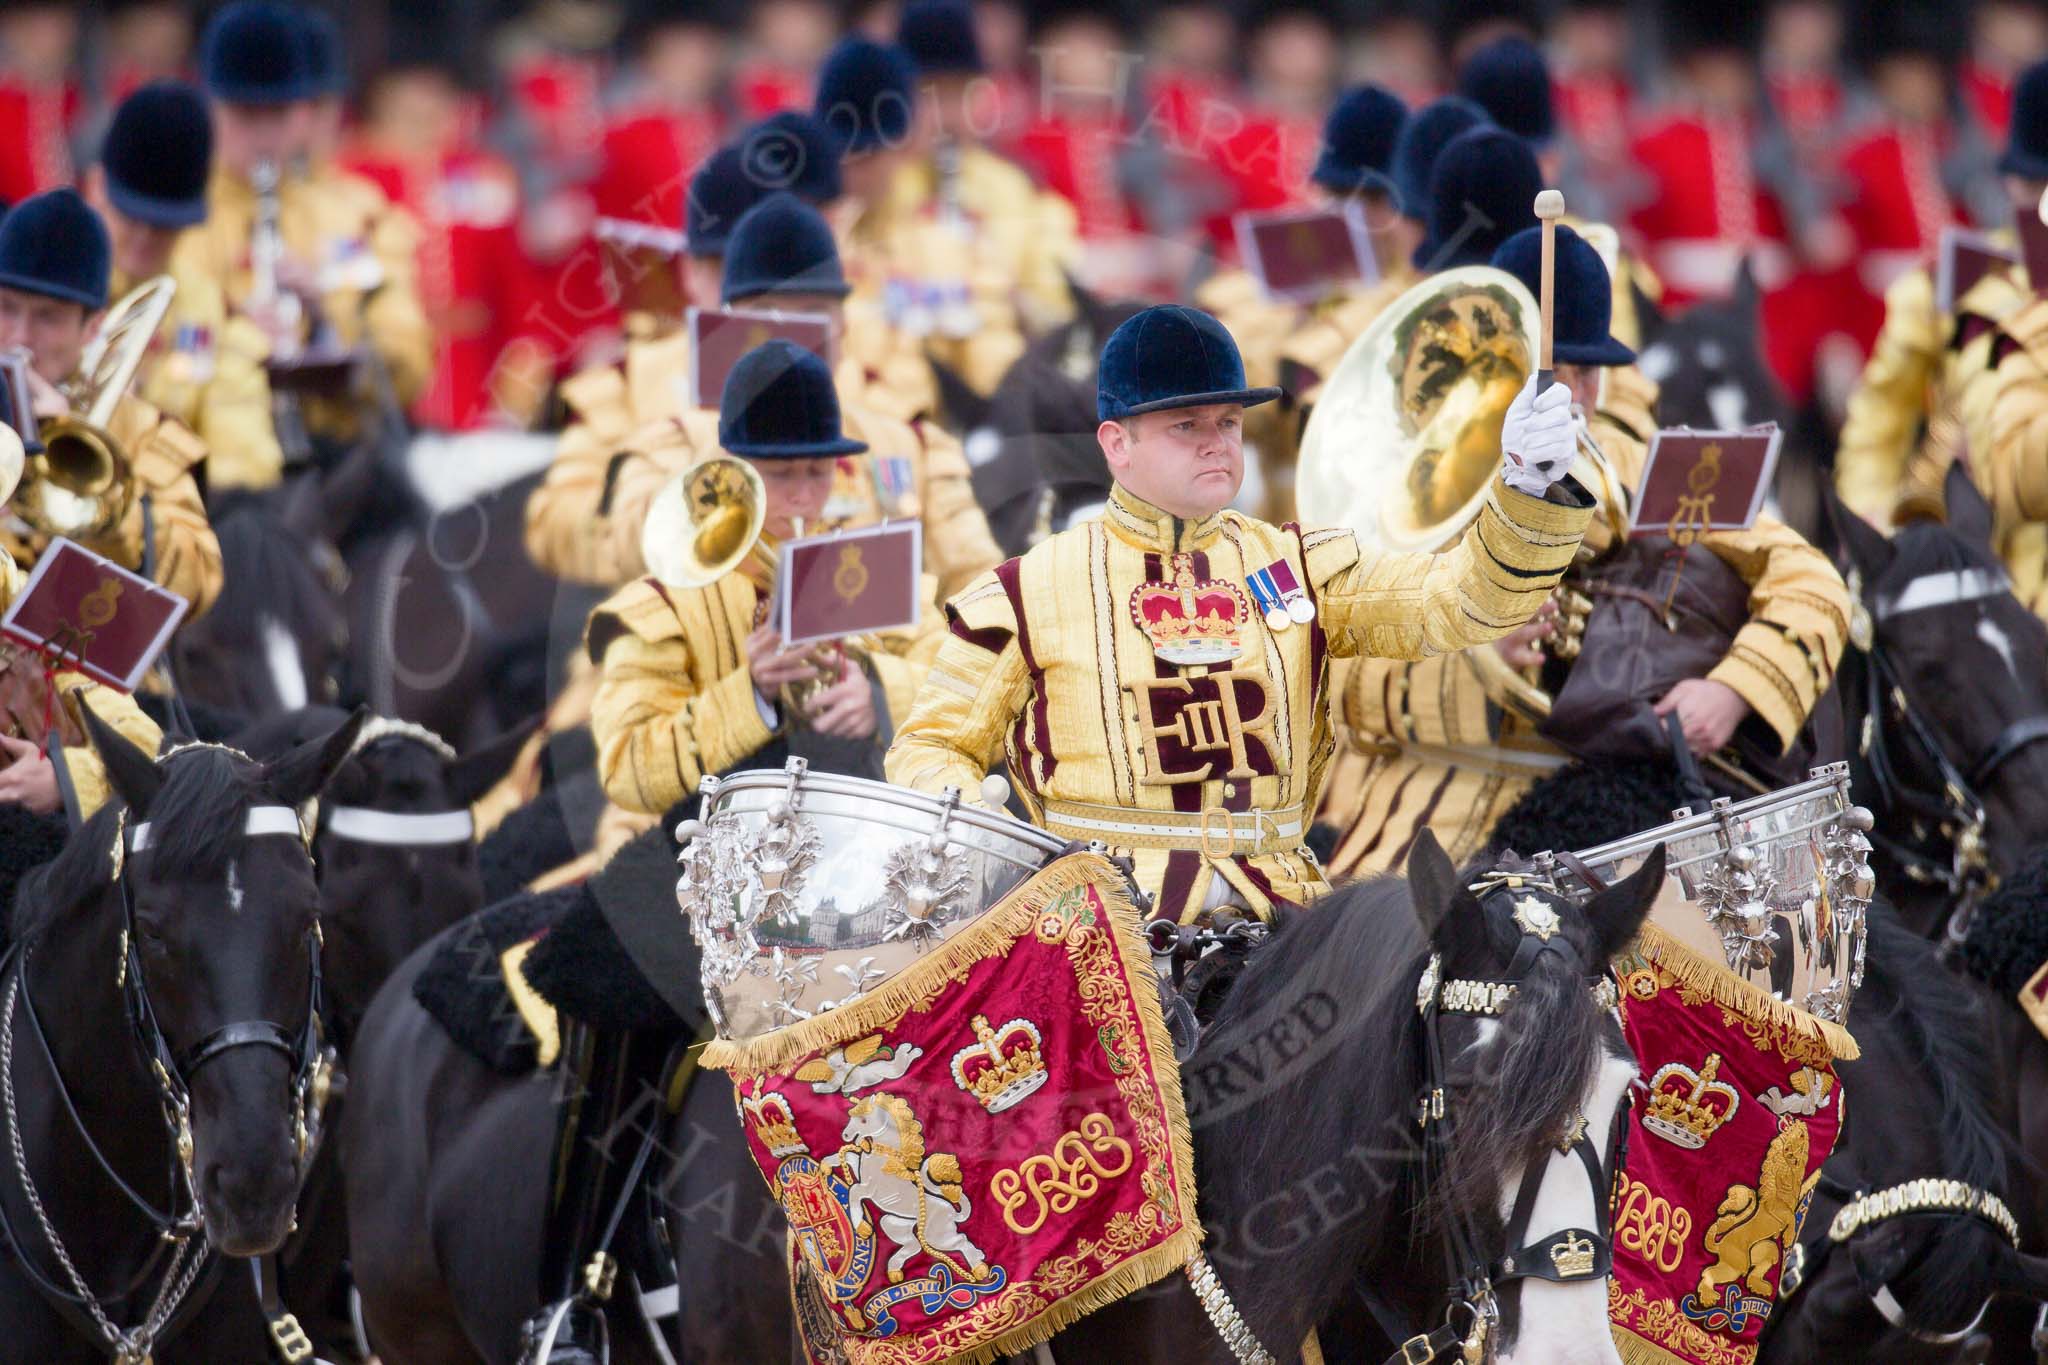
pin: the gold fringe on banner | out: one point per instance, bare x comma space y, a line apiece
1727, 989
1635, 1350
991, 936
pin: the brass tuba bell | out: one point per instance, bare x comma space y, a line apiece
80, 483
704, 522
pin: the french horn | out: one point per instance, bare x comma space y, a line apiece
1404, 443
80, 483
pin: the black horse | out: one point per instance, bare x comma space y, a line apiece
1956, 787
158, 1050
397, 863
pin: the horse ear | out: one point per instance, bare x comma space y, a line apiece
1746, 298
299, 775
1432, 882
1617, 912
1650, 318
470, 776
132, 773
1866, 546
1969, 516
345, 490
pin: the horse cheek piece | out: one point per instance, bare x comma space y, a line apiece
1535, 922
241, 1209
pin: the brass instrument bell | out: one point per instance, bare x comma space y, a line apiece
704, 522
80, 483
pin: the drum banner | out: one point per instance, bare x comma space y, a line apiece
988, 1144
1724, 1149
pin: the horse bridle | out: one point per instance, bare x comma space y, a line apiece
1861, 1211
1957, 812
1566, 1256
173, 1072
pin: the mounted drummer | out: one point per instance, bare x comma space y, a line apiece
1156, 679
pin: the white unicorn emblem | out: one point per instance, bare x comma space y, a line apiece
917, 1197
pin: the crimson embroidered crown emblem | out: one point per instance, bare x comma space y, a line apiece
1004, 1068
775, 1125
1686, 1106
1189, 621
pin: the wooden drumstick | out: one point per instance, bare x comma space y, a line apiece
1549, 208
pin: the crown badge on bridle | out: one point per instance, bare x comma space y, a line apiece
1572, 1256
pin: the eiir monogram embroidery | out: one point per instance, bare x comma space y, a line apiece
1205, 724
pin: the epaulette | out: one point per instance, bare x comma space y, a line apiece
643, 608
980, 613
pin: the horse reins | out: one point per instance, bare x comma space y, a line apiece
172, 1071
1957, 812
1567, 1256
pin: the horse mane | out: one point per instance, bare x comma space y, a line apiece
206, 789
2008, 938
1938, 1017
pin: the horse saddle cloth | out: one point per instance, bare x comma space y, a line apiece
463, 985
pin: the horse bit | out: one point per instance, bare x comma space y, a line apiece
1567, 1256
173, 1073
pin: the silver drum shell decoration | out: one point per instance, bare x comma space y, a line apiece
806, 890
1776, 886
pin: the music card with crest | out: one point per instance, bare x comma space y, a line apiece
1966, 257
720, 336
1307, 255
88, 613
1697, 481
850, 583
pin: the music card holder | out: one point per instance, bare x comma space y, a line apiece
17, 399
1966, 257
849, 583
1699, 481
1306, 255
88, 614
720, 336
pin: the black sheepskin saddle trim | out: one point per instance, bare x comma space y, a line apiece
27, 841
2008, 939
1585, 804
622, 957
532, 839
463, 984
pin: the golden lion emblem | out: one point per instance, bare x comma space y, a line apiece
1752, 1225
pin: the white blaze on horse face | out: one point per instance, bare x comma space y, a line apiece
287, 667
1729, 405
1993, 634
235, 887
1566, 1324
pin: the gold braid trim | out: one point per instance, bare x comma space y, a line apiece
1635, 1350
1730, 991
990, 936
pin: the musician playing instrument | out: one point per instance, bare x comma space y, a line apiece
1437, 744
616, 406
1140, 696
692, 676
347, 257
54, 266
207, 366
28, 772
1925, 360
782, 257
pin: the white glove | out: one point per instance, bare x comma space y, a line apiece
1537, 440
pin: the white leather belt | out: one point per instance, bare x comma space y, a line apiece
1214, 832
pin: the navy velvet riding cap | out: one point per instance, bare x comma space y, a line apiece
1171, 356
781, 246
779, 404
157, 155
1482, 192
1509, 79
866, 94
254, 52
1423, 138
2026, 145
1358, 141
1583, 307
53, 244
939, 35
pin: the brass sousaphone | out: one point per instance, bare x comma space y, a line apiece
1404, 442
80, 483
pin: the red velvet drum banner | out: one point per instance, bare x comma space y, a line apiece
986, 1145
1724, 1150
